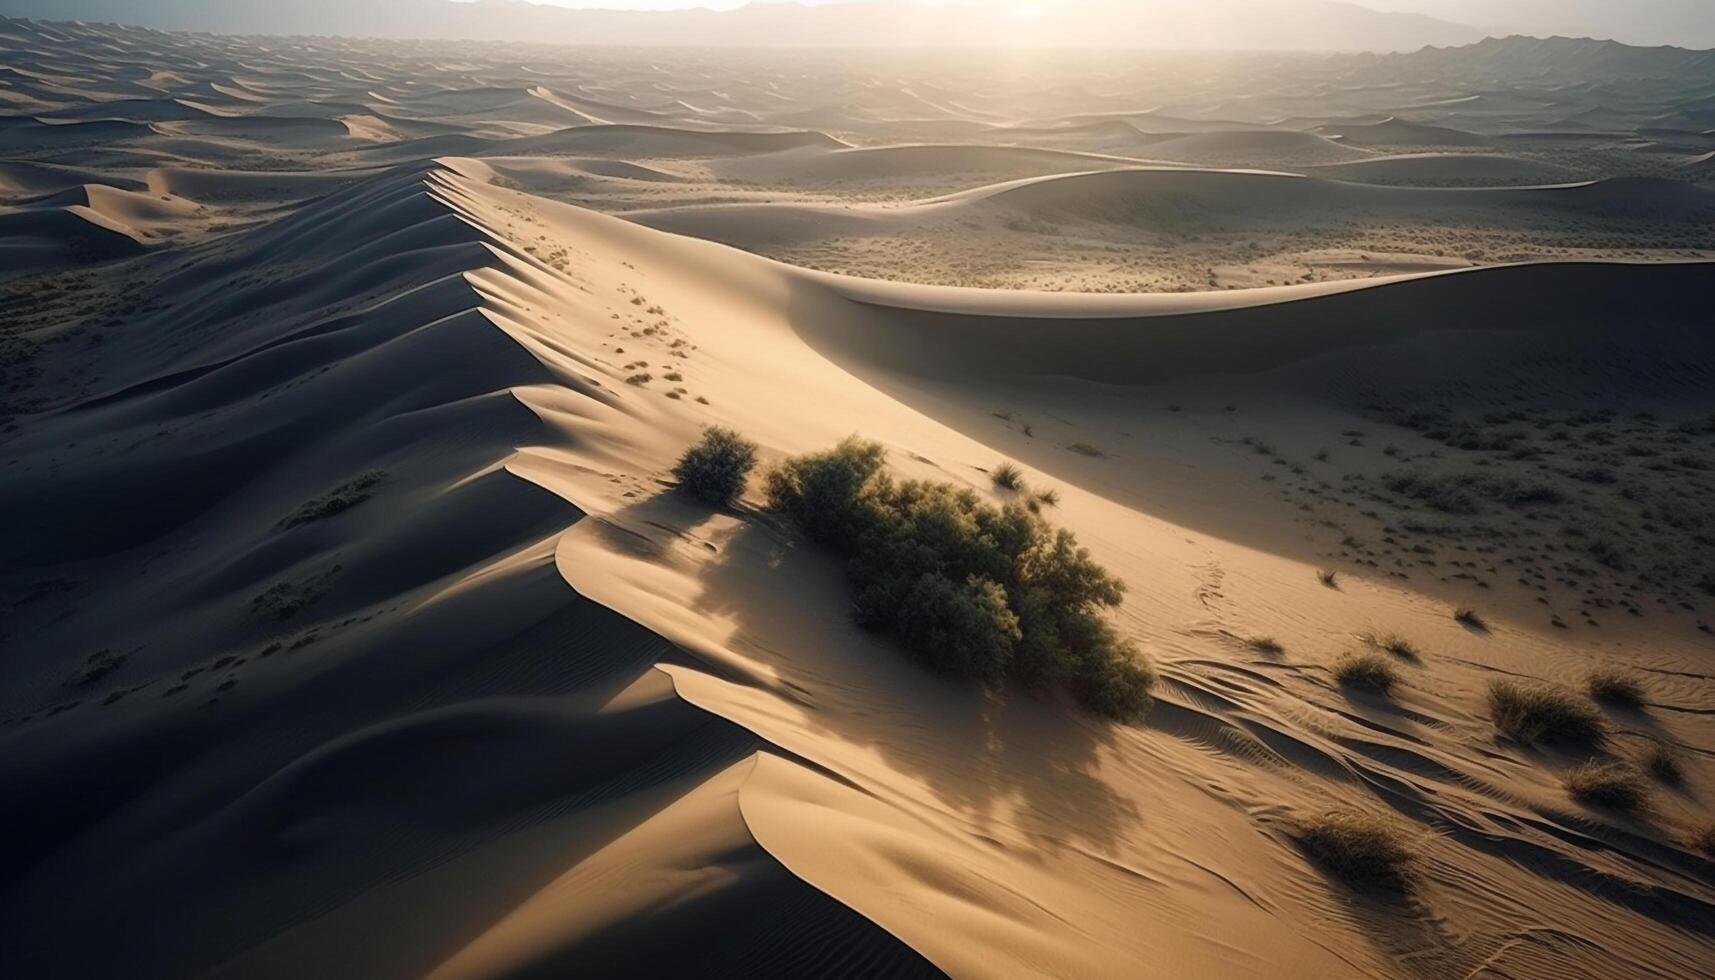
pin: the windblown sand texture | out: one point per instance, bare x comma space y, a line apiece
353, 627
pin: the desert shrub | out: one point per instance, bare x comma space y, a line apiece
336, 501
1607, 554
716, 468
283, 600
971, 589
1007, 477
1609, 784
1614, 687
1266, 644
1362, 849
1461, 493
1532, 713
96, 666
965, 628
1048, 498
1393, 643
1367, 671
1328, 577
1470, 617
1661, 760
1448, 494
1703, 839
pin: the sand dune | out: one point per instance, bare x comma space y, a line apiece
1400, 132
466, 534
1245, 147
906, 162
37, 238
1170, 207
1445, 170
355, 624
27, 179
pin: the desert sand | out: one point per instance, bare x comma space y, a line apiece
354, 625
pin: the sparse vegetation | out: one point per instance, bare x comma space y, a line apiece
336, 501
716, 469
1266, 644
1048, 498
972, 589
1661, 760
1393, 643
1610, 784
96, 666
1085, 449
1007, 477
1614, 687
1462, 493
1471, 617
283, 600
1328, 577
1702, 839
1364, 850
1539, 713
1366, 671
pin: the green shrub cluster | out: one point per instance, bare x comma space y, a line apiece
716, 469
972, 589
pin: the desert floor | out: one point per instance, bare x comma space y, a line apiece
354, 625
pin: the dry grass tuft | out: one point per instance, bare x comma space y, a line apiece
1328, 577
1470, 617
1367, 671
336, 501
1703, 839
1393, 643
1539, 713
1008, 477
1611, 784
1616, 688
1661, 760
1361, 849
1266, 644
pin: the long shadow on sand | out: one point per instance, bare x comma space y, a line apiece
998, 759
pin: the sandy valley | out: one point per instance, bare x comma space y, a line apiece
355, 624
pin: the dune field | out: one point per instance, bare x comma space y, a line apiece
356, 625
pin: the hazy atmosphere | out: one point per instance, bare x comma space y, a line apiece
502, 492
1215, 24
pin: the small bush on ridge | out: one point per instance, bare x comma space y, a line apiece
715, 469
972, 589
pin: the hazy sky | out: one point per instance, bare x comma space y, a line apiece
1689, 23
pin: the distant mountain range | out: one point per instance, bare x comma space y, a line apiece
1573, 59
1319, 25
1686, 23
